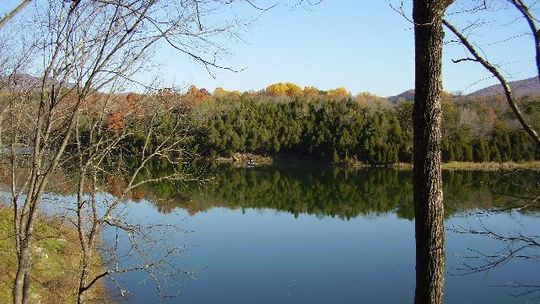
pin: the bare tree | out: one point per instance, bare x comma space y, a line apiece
98, 142
494, 69
87, 47
516, 243
476, 54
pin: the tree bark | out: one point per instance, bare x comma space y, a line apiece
21, 286
427, 177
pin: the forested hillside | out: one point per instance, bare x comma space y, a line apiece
335, 126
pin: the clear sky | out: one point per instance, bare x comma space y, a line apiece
360, 45
337, 43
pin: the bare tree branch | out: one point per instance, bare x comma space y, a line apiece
496, 73
525, 12
5, 19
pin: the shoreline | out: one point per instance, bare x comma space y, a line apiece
492, 166
243, 160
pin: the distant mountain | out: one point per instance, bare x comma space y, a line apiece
24, 82
405, 96
19, 82
520, 88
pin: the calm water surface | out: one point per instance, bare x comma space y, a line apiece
328, 235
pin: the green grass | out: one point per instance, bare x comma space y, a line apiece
55, 258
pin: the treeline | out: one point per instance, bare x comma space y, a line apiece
338, 131
343, 128
287, 121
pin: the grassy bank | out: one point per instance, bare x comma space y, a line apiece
471, 166
484, 166
492, 166
240, 159
55, 260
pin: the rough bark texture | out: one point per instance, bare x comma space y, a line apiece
427, 177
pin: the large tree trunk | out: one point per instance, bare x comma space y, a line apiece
427, 177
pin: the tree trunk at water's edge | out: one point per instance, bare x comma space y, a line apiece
427, 177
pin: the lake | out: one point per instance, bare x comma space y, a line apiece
301, 234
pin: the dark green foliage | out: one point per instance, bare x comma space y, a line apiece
345, 131
481, 151
338, 131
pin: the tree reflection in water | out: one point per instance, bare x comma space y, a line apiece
348, 193
334, 192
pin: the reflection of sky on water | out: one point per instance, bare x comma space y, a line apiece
264, 255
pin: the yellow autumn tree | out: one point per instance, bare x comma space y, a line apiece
220, 92
338, 94
284, 89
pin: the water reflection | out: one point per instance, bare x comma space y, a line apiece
296, 234
347, 194
331, 235
333, 192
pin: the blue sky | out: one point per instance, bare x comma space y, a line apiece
360, 45
337, 43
